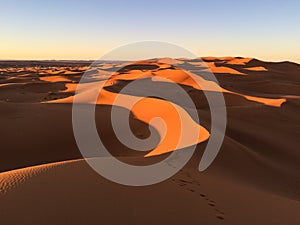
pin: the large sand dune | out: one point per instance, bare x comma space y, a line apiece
254, 179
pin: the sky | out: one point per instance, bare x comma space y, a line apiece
264, 29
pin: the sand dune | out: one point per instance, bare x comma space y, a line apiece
222, 69
55, 79
12, 179
239, 61
164, 109
211, 58
256, 68
186, 78
144, 111
254, 179
75, 194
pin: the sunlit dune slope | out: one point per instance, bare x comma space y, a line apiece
177, 124
183, 77
55, 79
257, 68
190, 73
149, 108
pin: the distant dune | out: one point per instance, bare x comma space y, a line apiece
254, 180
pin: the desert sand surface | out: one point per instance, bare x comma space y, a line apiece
255, 178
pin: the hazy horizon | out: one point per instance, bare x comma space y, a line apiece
55, 30
116, 60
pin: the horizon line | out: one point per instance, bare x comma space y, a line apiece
88, 60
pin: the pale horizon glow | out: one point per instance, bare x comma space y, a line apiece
85, 30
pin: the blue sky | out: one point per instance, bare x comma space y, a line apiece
87, 29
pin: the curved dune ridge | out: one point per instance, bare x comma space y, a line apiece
13, 178
188, 78
256, 68
55, 79
180, 77
222, 69
149, 108
69, 192
10, 84
179, 127
239, 61
229, 60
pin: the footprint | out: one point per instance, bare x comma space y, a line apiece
220, 216
188, 185
211, 204
185, 181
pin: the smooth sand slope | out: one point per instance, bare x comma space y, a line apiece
254, 179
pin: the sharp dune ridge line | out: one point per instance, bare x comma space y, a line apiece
222, 65
188, 78
149, 108
12, 179
222, 69
239, 61
166, 110
177, 121
55, 79
256, 68
184, 78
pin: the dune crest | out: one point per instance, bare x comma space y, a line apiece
13, 178
212, 58
181, 77
54, 79
222, 69
267, 101
239, 61
256, 68
144, 109
175, 118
